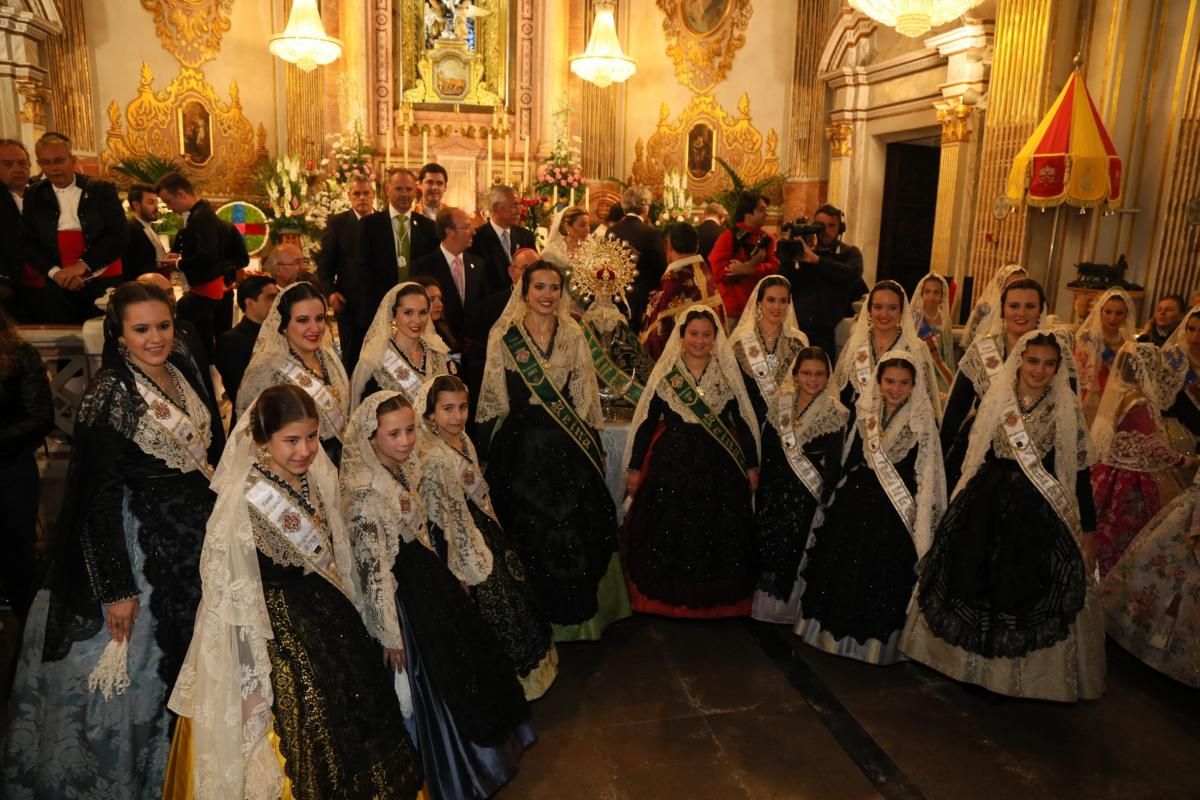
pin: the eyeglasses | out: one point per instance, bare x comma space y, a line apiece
300, 262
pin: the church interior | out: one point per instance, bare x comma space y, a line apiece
955, 137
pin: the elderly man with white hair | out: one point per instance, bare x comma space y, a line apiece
501, 236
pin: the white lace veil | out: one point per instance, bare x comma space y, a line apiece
918, 416
749, 319
1073, 449
1137, 371
1089, 340
375, 343
1175, 358
825, 414
731, 374
860, 336
271, 348
224, 685
943, 307
493, 392
988, 304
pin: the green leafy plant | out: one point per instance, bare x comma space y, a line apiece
729, 198
148, 169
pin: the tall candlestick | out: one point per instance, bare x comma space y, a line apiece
387, 155
554, 203
488, 178
587, 198
404, 125
507, 155
525, 168
424, 147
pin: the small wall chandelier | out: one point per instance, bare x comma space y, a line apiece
603, 63
304, 42
914, 17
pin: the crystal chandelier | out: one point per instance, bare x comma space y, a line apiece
304, 42
914, 17
603, 63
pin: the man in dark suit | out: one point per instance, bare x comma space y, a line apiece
145, 250
710, 227
14, 178
389, 242
255, 294
461, 275
497, 239
74, 236
646, 242
337, 263
202, 253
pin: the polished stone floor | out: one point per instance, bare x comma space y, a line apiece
668, 710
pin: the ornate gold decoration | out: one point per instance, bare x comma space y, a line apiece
190, 30
703, 38
735, 139
838, 135
34, 98
156, 125
451, 73
443, 69
955, 119
71, 78
601, 267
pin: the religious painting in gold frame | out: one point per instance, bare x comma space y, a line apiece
438, 41
195, 133
700, 153
703, 36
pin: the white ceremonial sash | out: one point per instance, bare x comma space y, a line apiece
797, 460
295, 525
862, 367
327, 404
474, 486
992, 360
1031, 464
889, 479
178, 425
757, 357
409, 379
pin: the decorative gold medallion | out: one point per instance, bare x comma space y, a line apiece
161, 411
290, 522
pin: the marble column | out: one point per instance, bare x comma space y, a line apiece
24, 78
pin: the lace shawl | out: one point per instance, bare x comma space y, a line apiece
1089, 341
983, 322
825, 414
378, 339
569, 366
915, 424
1176, 359
1056, 424
380, 516
721, 382
224, 685
156, 441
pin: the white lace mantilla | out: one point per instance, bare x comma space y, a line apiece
714, 390
570, 365
972, 364
445, 498
825, 414
156, 441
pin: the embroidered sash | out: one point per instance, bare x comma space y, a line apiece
991, 358
1031, 464
607, 370
294, 524
474, 486
862, 367
555, 404
409, 379
176, 424
327, 404
690, 397
889, 479
797, 460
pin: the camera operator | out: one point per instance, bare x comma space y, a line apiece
825, 273
743, 255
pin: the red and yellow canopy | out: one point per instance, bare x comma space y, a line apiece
1070, 157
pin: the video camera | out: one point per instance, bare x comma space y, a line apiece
789, 247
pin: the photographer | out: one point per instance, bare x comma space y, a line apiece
743, 255
825, 273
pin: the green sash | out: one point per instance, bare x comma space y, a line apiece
555, 404
607, 370
690, 397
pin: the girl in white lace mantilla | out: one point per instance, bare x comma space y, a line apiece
401, 350
292, 347
467, 534
931, 312
1181, 353
989, 301
885, 322
879, 522
690, 548
279, 641
539, 409
766, 341
1111, 323
1021, 516
468, 714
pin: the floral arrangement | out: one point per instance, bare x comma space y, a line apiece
328, 200
561, 174
285, 185
677, 204
349, 158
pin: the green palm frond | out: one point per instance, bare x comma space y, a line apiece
145, 169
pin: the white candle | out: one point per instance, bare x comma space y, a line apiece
404, 123
587, 198
387, 155
507, 155
554, 204
424, 147
487, 182
525, 168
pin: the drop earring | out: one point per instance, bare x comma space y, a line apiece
758, 312
393, 327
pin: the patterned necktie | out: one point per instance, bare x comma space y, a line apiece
400, 229
504, 240
456, 271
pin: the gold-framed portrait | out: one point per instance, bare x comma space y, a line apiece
703, 36
700, 153
195, 132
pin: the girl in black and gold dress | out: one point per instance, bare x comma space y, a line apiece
279, 642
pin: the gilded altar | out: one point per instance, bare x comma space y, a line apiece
453, 51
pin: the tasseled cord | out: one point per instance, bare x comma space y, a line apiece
111, 674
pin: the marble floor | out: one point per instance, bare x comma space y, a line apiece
672, 710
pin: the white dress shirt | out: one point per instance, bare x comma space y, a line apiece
68, 207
